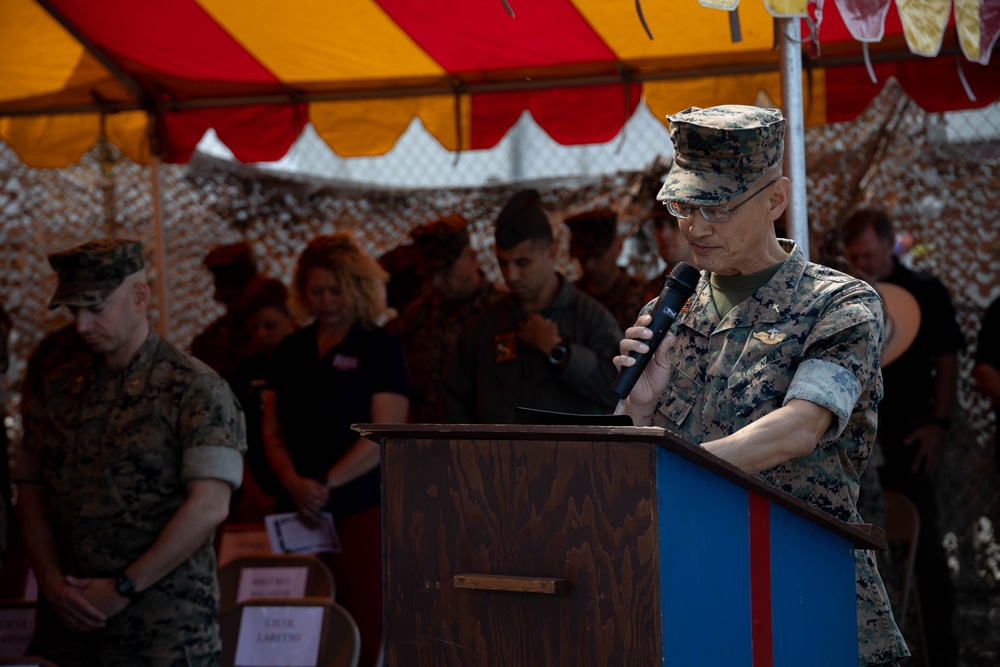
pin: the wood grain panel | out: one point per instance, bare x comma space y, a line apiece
578, 511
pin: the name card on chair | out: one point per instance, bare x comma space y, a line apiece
272, 582
279, 637
17, 626
235, 542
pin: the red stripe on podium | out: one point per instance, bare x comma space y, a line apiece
760, 581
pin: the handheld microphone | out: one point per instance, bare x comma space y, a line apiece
678, 286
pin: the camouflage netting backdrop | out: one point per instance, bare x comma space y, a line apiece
945, 203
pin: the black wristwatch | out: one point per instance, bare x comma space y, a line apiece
125, 586
559, 353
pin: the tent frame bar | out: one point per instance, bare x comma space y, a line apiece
131, 85
797, 213
450, 89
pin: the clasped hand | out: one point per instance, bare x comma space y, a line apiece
540, 333
929, 440
309, 497
84, 605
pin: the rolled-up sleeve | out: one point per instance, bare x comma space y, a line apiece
213, 432
212, 463
841, 356
828, 385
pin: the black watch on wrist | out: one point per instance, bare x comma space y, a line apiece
125, 586
558, 353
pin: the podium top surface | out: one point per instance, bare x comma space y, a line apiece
862, 536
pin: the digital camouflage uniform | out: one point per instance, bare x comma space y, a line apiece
810, 333
115, 450
428, 330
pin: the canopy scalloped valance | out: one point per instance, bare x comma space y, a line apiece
154, 76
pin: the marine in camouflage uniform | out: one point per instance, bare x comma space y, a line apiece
126, 471
800, 347
596, 244
429, 327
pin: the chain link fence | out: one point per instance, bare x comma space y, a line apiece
938, 173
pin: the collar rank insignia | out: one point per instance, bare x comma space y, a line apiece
770, 337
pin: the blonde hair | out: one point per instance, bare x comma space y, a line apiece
361, 279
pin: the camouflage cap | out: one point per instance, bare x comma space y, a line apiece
592, 233
440, 242
90, 272
720, 152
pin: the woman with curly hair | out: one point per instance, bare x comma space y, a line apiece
340, 370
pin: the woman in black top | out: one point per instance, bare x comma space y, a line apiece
340, 370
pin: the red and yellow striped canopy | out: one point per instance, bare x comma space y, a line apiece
156, 74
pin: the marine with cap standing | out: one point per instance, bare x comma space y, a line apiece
773, 363
130, 457
545, 345
458, 292
596, 244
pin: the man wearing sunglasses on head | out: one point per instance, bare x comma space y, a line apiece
773, 364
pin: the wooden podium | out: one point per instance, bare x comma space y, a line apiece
595, 545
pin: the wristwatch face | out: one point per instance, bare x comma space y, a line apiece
125, 585
557, 354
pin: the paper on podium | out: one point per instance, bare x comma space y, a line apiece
289, 534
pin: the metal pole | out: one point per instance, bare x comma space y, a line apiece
517, 149
797, 214
161, 254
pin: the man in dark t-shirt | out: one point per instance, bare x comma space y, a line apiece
915, 414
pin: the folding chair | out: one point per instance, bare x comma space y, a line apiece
241, 539
902, 524
319, 623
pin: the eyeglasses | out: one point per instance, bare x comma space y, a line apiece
711, 213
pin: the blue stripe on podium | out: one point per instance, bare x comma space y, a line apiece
811, 615
704, 566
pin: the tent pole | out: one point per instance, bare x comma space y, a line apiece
797, 214
162, 325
